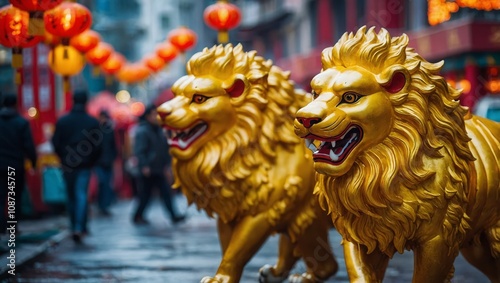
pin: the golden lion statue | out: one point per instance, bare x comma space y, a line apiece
235, 156
401, 164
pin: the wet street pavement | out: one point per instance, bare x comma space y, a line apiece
118, 251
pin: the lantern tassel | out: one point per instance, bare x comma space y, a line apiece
18, 77
65, 53
65, 43
109, 80
17, 58
53, 58
66, 84
223, 36
95, 71
36, 25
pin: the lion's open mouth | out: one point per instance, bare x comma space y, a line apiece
334, 150
184, 138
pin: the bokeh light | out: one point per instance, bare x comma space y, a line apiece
32, 112
123, 96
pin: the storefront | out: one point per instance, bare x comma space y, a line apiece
471, 53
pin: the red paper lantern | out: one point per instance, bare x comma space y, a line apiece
154, 62
133, 73
99, 54
182, 38
113, 64
85, 41
36, 10
67, 20
14, 33
222, 16
167, 51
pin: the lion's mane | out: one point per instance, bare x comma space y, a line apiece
228, 175
368, 201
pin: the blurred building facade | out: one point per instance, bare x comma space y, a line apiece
294, 32
134, 28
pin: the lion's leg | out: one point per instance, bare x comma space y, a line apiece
285, 263
225, 233
480, 256
248, 236
317, 254
433, 261
363, 267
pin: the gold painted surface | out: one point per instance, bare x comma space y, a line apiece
402, 165
235, 156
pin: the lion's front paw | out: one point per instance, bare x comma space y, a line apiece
208, 279
266, 275
303, 278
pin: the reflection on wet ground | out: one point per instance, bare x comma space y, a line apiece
118, 251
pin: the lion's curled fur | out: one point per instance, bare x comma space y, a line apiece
368, 201
228, 176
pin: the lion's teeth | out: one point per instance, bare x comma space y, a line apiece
333, 156
322, 143
333, 144
182, 144
310, 145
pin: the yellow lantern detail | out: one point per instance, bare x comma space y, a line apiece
66, 61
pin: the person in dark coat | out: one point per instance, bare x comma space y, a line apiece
104, 168
151, 149
77, 141
16, 145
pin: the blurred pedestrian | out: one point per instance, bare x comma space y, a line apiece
53, 186
16, 145
77, 141
151, 149
104, 167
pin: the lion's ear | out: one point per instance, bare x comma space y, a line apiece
396, 84
394, 79
236, 89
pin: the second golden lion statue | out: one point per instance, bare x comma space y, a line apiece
401, 164
235, 156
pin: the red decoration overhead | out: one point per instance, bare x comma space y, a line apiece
440, 10
133, 73
182, 38
99, 54
67, 20
113, 64
85, 41
154, 62
167, 51
222, 16
14, 33
36, 9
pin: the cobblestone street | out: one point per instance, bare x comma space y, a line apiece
118, 251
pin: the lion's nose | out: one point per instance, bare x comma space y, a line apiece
163, 114
164, 111
308, 122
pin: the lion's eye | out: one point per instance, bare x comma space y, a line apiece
314, 94
198, 98
350, 97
